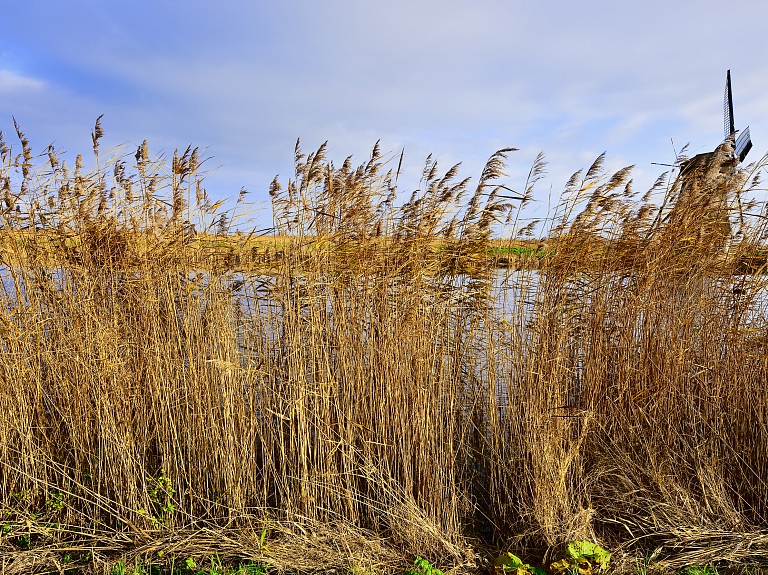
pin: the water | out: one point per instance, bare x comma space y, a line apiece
514, 296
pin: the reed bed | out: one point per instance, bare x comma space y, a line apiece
368, 396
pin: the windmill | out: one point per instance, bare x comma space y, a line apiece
701, 203
741, 145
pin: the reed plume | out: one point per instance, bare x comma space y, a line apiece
364, 376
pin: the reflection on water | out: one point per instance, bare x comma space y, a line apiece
512, 312
512, 294
512, 300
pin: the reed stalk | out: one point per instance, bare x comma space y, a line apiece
372, 387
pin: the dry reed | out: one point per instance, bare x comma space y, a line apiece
380, 390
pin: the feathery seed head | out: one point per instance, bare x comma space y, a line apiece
97, 134
4, 150
194, 161
52, 159
275, 187
596, 168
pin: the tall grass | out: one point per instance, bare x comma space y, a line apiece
378, 390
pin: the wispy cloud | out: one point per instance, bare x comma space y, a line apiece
11, 83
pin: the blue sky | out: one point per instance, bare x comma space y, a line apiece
456, 79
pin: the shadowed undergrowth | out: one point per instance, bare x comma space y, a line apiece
368, 397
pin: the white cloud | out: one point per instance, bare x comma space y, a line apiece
11, 83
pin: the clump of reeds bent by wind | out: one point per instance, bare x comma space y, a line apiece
377, 388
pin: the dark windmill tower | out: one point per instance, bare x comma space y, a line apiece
701, 210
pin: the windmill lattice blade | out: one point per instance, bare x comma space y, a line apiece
743, 145
728, 123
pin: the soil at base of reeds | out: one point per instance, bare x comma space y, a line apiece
375, 393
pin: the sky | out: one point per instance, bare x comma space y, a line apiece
458, 79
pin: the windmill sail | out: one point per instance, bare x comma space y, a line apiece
728, 123
743, 143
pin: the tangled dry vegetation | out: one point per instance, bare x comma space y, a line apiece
370, 396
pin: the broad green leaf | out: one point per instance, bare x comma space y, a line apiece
591, 552
508, 561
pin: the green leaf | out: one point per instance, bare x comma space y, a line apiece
425, 568
578, 551
561, 566
508, 561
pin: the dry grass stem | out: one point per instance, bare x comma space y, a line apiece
365, 382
